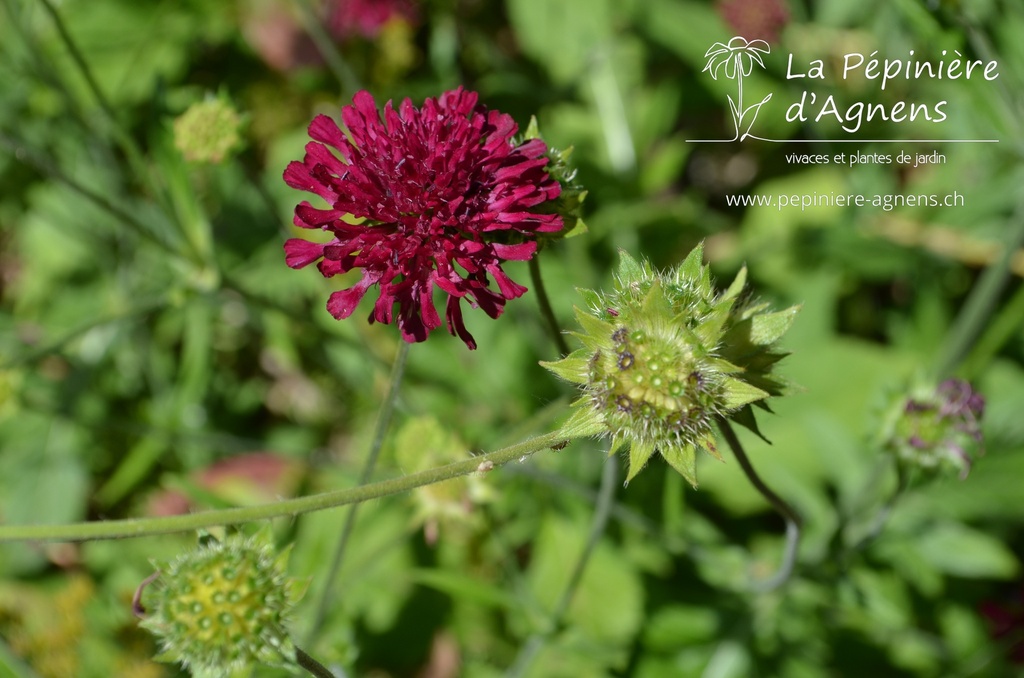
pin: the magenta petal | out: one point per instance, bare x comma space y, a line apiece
308, 216
520, 252
299, 253
342, 303
325, 130
456, 326
509, 288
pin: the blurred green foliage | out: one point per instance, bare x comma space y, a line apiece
152, 342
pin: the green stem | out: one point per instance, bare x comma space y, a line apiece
314, 667
47, 168
380, 430
80, 63
605, 499
142, 527
998, 332
902, 482
545, 307
792, 518
983, 298
131, 149
346, 77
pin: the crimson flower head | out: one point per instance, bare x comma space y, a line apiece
442, 195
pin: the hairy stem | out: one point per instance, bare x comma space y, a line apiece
142, 527
311, 665
545, 307
793, 522
602, 510
380, 430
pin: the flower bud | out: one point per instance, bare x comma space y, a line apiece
664, 356
936, 427
208, 131
223, 607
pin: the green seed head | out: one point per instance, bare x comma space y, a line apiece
223, 607
208, 131
664, 355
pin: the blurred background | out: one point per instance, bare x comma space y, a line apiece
158, 357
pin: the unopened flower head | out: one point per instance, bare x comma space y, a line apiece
665, 355
223, 607
937, 427
438, 196
208, 131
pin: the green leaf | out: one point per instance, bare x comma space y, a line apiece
594, 327
678, 625
745, 418
639, 455
655, 303
739, 393
583, 422
959, 550
590, 297
692, 268
575, 367
578, 228
768, 327
629, 268
459, 586
738, 283
684, 460
609, 603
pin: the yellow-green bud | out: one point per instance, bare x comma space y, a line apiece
223, 607
208, 131
664, 356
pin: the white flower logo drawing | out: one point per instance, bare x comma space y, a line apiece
736, 60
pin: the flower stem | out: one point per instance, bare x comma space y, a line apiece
605, 498
380, 430
902, 482
346, 77
80, 63
314, 667
545, 307
142, 527
792, 518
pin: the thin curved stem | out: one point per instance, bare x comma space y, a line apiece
793, 521
602, 510
387, 409
902, 483
311, 665
142, 527
545, 307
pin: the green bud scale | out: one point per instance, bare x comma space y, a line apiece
664, 356
223, 607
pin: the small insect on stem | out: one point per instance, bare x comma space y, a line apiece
485, 466
560, 446
612, 312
